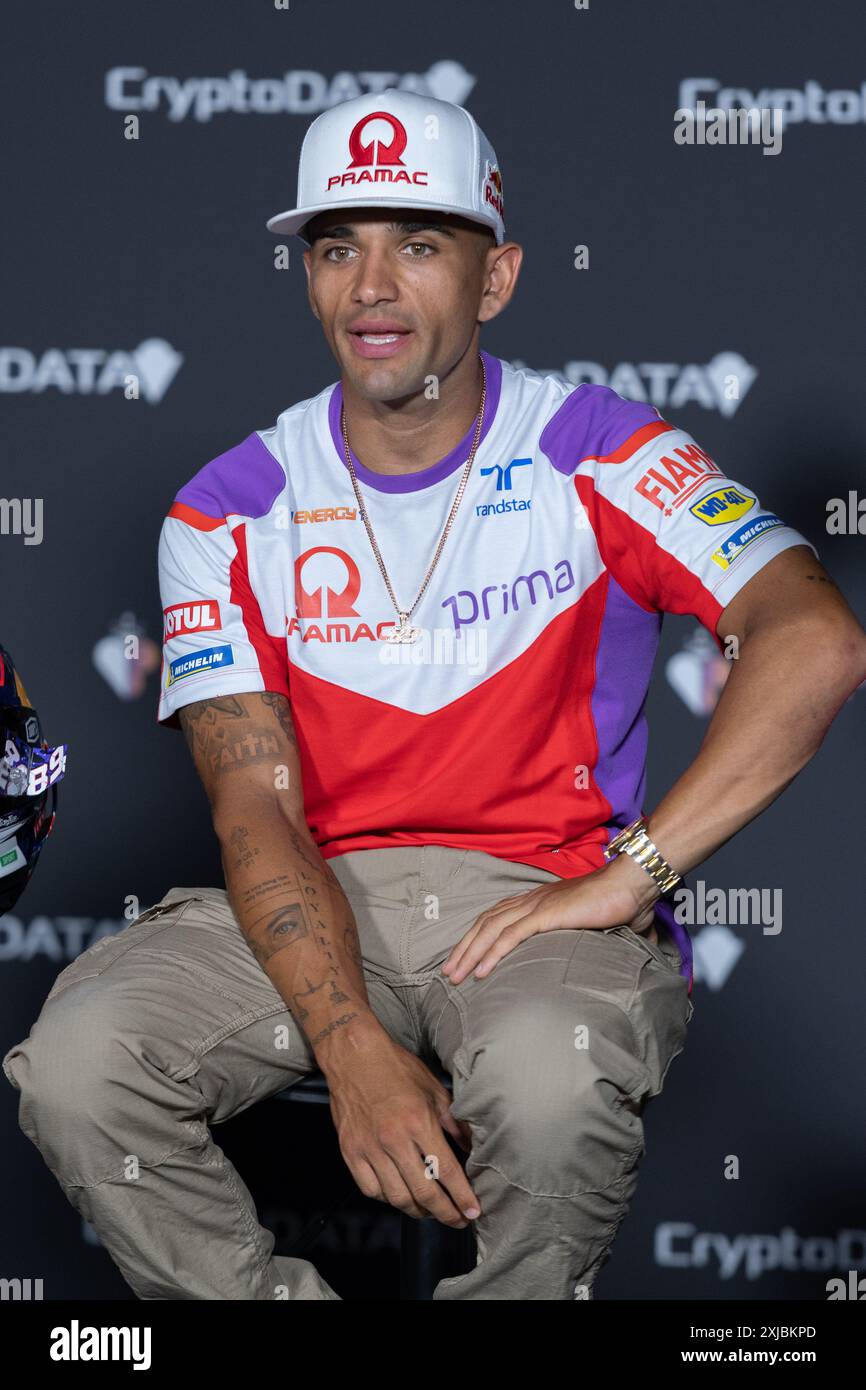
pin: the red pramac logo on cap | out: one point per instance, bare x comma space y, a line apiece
375, 161
375, 152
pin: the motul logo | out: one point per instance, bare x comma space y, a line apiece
377, 161
191, 617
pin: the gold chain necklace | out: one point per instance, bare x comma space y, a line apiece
403, 632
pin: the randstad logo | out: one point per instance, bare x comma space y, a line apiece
503, 484
324, 602
503, 473
724, 505
376, 144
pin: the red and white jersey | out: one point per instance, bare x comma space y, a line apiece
516, 724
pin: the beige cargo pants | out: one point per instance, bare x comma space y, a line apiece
151, 1034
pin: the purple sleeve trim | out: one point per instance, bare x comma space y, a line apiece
245, 481
592, 421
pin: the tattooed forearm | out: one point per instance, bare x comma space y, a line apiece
239, 839
335, 996
352, 945
288, 911
289, 903
276, 931
280, 707
232, 731
332, 1027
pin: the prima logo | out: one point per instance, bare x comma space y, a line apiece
467, 606
147, 370
300, 92
720, 384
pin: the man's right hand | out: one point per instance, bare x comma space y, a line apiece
390, 1112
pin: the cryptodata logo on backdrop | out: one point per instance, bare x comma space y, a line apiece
144, 372
720, 384
300, 92
811, 103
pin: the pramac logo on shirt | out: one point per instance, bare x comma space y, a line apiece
374, 160
322, 602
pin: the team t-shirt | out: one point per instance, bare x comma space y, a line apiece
516, 724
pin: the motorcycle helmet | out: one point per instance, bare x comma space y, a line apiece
29, 773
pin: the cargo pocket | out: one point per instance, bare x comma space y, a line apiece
104, 952
661, 1008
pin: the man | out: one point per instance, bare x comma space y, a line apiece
409, 634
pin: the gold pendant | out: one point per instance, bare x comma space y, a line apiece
403, 632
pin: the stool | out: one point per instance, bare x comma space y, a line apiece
429, 1250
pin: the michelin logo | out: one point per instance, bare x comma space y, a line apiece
212, 659
732, 548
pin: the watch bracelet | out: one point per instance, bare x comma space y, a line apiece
637, 844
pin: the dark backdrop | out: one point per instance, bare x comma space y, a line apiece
112, 243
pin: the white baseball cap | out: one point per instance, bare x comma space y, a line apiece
396, 149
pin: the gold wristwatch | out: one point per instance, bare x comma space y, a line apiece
635, 841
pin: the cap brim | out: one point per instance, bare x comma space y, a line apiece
292, 221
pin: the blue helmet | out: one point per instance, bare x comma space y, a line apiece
29, 773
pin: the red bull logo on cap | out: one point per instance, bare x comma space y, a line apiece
492, 192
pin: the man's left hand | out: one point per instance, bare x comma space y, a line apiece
608, 897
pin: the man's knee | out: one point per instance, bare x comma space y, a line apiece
555, 1094
76, 1073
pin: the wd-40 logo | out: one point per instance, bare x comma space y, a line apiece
503, 484
672, 481
325, 602
724, 505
